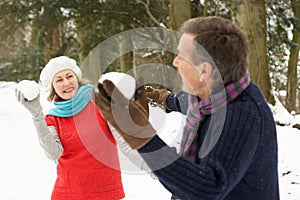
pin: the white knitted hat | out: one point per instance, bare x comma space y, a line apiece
56, 65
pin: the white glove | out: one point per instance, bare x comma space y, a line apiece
33, 106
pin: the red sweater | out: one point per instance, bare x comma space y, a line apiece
89, 167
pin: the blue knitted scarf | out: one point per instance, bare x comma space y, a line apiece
73, 106
197, 111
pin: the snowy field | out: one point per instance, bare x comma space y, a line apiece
26, 174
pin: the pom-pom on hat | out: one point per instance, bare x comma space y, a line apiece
56, 65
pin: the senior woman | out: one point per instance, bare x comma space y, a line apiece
75, 134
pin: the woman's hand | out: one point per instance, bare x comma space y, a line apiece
33, 106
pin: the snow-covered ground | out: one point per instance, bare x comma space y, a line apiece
26, 174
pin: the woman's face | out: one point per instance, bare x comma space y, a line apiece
65, 84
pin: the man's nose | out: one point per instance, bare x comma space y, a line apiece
175, 61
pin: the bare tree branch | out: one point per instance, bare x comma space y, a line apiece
157, 23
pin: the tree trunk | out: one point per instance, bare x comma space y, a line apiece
290, 101
126, 49
251, 17
180, 11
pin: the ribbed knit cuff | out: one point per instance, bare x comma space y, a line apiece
157, 154
154, 144
170, 101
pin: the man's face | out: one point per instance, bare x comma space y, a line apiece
190, 74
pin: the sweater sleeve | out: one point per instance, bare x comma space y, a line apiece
215, 175
48, 138
178, 102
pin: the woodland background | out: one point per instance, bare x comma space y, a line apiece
34, 31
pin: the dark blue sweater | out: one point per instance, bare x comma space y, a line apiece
241, 166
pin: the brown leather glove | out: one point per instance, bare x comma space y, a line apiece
157, 96
140, 95
129, 117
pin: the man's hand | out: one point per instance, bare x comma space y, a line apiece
129, 117
157, 96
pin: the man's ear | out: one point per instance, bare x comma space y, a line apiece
206, 71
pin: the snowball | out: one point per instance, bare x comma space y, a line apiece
124, 82
30, 89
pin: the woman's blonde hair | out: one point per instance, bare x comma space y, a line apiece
53, 94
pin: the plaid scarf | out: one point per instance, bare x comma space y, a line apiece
197, 110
